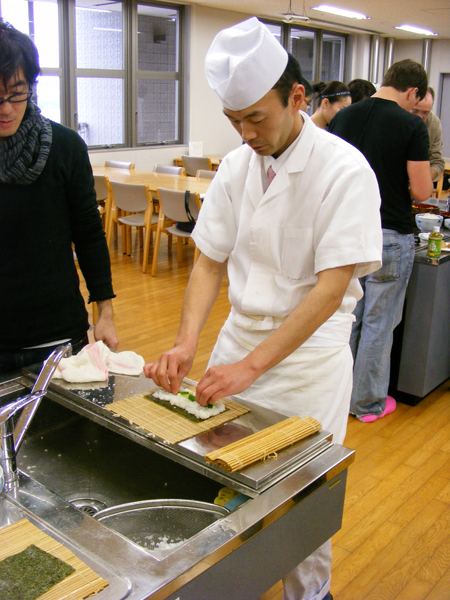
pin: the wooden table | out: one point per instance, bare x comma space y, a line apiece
155, 180
215, 161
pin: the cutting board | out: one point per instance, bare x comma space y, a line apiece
166, 424
81, 584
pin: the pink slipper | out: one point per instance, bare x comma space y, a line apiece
391, 405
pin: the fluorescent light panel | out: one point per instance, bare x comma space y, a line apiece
341, 12
414, 29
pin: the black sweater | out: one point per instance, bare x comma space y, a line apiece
40, 299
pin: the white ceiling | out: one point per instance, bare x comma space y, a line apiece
384, 14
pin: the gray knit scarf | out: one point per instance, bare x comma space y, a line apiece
24, 155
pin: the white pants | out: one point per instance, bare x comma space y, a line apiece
312, 381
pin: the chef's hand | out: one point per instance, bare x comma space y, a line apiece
221, 381
104, 328
170, 368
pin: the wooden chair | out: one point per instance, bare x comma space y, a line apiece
202, 174
135, 199
193, 163
168, 169
172, 207
118, 164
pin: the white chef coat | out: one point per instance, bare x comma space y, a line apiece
320, 212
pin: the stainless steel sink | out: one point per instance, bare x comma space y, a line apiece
95, 468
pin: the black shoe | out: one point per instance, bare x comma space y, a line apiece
328, 597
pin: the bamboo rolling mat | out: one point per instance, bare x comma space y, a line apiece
166, 424
81, 584
263, 444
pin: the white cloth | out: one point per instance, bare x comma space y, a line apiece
243, 63
94, 363
311, 578
320, 212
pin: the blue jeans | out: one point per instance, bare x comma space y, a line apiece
377, 314
14, 361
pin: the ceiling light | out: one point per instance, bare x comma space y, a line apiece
341, 12
413, 29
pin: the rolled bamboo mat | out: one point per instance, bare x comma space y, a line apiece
165, 423
81, 584
263, 444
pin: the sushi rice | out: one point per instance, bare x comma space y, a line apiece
185, 399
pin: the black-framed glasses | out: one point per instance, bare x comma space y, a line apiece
19, 97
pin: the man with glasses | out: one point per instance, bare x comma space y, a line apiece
423, 110
47, 203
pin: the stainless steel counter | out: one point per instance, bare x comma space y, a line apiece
240, 555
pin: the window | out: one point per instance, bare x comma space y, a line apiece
39, 19
333, 57
116, 86
158, 74
302, 47
321, 54
100, 73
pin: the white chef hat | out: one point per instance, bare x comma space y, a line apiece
243, 63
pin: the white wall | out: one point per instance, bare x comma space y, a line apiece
440, 62
207, 122
360, 57
143, 158
408, 49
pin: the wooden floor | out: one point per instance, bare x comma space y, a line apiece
395, 539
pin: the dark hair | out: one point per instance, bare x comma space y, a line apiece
334, 91
308, 87
431, 91
360, 89
407, 74
17, 51
291, 75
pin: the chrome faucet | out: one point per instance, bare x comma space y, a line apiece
29, 403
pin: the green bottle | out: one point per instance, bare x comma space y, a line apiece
434, 243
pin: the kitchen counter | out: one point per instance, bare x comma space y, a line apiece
240, 553
421, 349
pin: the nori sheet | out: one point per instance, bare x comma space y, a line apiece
175, 409
30, 573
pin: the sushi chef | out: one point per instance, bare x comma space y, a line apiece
293, 214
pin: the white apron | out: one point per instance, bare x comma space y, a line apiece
312, 381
